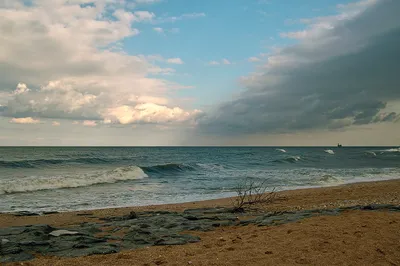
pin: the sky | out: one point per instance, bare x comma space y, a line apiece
187, 72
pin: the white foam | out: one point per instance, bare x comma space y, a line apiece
34, 183
210, 166
281, 150
371, 153
329, 151
296, 158
392, 150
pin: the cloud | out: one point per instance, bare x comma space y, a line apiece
213, 63
222, 62
343, 72
59, 60
55, 123
254, 59
147, 1
226, 62
177, 61
159, 58
158, 29
25, 120
89, 123
148, 114
173, 19
163, 31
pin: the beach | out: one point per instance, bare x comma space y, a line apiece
345, 235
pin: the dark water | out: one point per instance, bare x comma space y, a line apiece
39, 178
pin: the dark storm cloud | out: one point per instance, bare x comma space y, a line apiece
333, 78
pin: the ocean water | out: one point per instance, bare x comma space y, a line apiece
76, 178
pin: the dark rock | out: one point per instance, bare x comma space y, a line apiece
16, 257
34, 243
50, 212
25, 213
10, 248
85, 214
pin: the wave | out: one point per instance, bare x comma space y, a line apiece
49, 162
391, 150
210, 166
329, 151
168, 168
329, 180
290, 159
281, 150
30, 184
370, 153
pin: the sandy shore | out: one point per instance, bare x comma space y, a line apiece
351, 238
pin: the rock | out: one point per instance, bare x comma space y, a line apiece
25, 213
34, 243
63, 233
18, 257
131, 215
50, 212
10, 248
4, 241
85, 214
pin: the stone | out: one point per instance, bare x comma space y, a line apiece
17, 257
63, 233
25, 213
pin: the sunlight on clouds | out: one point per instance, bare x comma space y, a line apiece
80, 79
24, 120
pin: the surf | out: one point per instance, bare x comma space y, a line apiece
34, 183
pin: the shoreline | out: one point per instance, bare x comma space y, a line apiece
358, 224
287, 200
288, 189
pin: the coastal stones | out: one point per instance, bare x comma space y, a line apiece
63, 232
141, 229
25, 213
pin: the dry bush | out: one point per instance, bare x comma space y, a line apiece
252, 192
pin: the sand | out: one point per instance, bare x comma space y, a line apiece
352, 238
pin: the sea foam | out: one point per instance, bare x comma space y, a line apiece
34, 183
329, 151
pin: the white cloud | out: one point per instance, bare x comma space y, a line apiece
213, 63
59, 55
55, 123
226, 61
159, 58
143, 16
148, 113
254, 59
89, 123
24, 120
147, 1
158, 30
222, 62
173, 19
177, 61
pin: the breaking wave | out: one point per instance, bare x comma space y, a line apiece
34, 183
39, 163
168, 168
391, 150
329, 151
281, 150
290, 159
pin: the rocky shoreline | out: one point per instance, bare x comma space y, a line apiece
142, 229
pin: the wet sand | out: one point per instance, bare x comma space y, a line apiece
351, 238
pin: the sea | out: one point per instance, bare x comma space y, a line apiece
41, 179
